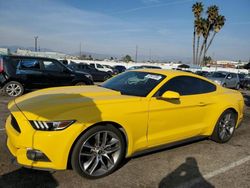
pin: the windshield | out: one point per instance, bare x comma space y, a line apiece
134, 83
218, 75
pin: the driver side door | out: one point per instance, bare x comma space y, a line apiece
173, 120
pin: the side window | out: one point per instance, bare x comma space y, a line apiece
31, 64
99, 66
92, 64
234, 75
52, 66
187, 85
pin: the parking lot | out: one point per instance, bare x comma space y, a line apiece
199, 164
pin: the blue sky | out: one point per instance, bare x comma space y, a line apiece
160, 27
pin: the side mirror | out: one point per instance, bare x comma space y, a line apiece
229, 77
170, 95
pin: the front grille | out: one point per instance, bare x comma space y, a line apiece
15, 124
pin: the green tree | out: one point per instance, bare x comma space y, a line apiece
127, 58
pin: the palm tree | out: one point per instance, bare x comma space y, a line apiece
219, 23
199, 29
197, 9
212, 14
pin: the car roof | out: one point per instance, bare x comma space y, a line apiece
27, 57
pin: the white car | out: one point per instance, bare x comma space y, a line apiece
101, 68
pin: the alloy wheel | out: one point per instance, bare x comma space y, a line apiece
99, 153
226, 126
13, 90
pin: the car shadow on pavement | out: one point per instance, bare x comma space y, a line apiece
186, 175
24, 177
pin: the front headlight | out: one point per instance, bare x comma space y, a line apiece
51, 125
218, 82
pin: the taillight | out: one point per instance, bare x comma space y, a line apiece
1, 65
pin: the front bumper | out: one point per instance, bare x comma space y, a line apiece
55, 145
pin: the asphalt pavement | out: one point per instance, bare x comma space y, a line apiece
203, 163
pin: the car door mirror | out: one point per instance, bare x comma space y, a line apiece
229, 77
170, 95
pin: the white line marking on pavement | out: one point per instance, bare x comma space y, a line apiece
2, 129
210, 175
226, 168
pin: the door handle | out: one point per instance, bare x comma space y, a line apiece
202, 104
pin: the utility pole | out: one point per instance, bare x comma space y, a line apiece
136, 53
150, 55
80, 49
36, 37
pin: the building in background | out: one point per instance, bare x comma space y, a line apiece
55, 55
4, 51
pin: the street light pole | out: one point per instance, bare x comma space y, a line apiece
36, 37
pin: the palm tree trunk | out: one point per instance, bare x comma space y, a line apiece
210, 42
204, 53
197, 49
194, 60
200, 54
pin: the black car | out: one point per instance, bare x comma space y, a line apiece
246, 84
242, 78
98, 76
120, 68
19, 73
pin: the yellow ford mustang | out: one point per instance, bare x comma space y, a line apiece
92, 128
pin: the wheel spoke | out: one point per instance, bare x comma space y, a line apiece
87, 145
222, 134
89, 162
97, 139
113, 141
86, 154
92, 169
104, 138
112, 150
103, 164
110, 159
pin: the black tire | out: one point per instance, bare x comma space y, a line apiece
106, 77
222, 127
224, 85
237, 87
80, 84
84, 159
13, 89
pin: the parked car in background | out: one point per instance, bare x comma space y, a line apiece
120, 68
20, 73
150, 67
134, 67
225, 79
97, 75
144, 67
101, 68
246, 83
242, 78
202, 73
115, 71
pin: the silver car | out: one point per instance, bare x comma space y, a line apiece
226, 79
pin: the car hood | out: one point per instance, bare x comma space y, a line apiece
47, 103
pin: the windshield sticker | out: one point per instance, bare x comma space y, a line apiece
154, 77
